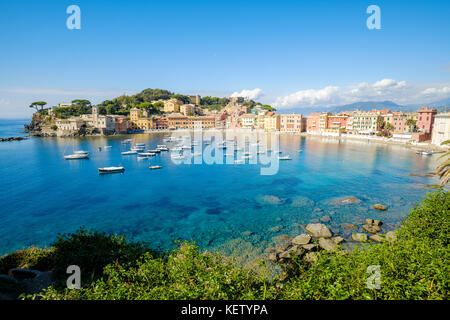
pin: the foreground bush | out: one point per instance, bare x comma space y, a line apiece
185, 273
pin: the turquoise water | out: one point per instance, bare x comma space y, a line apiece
225, 207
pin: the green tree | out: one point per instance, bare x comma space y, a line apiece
411, 123
443, 170
38, 105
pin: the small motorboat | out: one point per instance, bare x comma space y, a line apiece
154, 151
155, 167
77, 156
146, 154
162, 149
111, 169
125, 153
284, 157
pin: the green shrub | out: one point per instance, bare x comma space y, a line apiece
92, 251
30, 258
186, 273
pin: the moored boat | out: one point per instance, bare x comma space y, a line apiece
125, 153
111, 169
77, 156
155, 167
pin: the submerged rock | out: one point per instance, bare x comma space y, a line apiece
379, 207
349, 226
327, 244
318, 230
372, 226
344, 200
301, 239
376, 238
276, 229
325, 219
270, 199
301, 201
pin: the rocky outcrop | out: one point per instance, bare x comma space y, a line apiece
372, 226
12, 139
379, 207
376, 238
327, 244
318, 230
24, 281
301, 239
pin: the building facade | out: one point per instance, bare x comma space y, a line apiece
292, 123
425, 119
441, 128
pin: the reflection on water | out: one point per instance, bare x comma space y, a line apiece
228, 207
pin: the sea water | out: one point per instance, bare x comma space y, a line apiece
229, 208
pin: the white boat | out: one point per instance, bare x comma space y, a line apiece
81, 152
77, 156
155, 167
154, 151
196, 154
107, 147
239, 161
137, 149
111, 169
161, 146
247, 157
178, 157
125, 153
146, 154
284, 158
425, 153
186, 147
229, 154
162, 149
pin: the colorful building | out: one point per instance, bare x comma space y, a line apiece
292, 123
312, 123
425, 119
441, 128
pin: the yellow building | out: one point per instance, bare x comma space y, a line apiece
272, 122
172, 105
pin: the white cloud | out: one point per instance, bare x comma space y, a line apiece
250, 94
385, 89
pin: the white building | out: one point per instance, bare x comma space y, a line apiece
441, 128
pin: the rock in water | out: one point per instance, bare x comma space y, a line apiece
301, 239
379, 206
325, 219
359, 237
318, 230
327, 244
376, 238
371, 229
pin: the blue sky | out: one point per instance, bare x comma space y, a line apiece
287, 53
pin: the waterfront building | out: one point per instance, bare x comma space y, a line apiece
441, 128
249, 121
221, 121
366, 122
177, 121
425, 119
204, 122
399, 121
70, 125
312, 123
121, 124
272, 122
292, 123
160, 123
337, 123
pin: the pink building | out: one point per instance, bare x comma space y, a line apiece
337, 121
312, 123
425, 119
